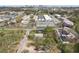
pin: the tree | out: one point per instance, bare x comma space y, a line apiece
18, 19
50, 38
49, 32
66, 48
77, 28
76, 48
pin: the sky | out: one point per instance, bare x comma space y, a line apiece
38, 2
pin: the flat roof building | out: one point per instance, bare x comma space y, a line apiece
43, 21
57, 15
39, 35
47, 18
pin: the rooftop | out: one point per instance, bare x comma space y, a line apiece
67, 21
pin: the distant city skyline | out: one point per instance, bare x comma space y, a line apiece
38, 2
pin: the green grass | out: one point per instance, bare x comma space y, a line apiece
9, 39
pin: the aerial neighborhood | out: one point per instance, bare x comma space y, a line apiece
39, 29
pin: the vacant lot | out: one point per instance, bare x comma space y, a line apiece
9, 39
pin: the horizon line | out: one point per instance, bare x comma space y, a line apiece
39, 5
